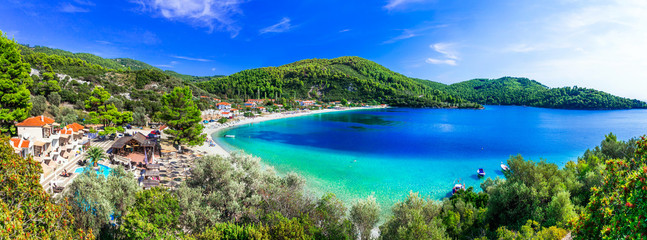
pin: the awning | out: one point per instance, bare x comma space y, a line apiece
39, 143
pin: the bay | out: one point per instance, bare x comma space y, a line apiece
389, 152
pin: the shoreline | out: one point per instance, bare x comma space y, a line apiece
212, 128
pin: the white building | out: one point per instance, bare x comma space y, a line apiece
224, 106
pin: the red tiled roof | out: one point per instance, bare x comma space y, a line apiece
75, 126
223, 103
16, 141
37, 121
68, 131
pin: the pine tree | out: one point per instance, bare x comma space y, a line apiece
182, 116
14, 80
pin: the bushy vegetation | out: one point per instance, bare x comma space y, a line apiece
602, 195
526, 92
26, 210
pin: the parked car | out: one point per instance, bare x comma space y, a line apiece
112, 136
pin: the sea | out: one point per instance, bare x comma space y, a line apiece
390, 152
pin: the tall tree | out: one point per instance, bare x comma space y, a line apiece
14, 80
182, 116
39, 105
94, 155
103, 111
26, 210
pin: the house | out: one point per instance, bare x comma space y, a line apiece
226, 114
250, 104
41, 134
223, 106
305, 103
234, 112
39, 127
136, 143
260, 101
262, 109
22, 146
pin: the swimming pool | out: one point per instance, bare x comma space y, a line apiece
103, 170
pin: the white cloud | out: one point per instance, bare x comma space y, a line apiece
393, 4
282, 26
213, 69
213, 14
414, 32
451, 62
192, 59
69, 8
164, 66
86, 3
344, 30
406, 34
448, 52
446, 49
104, 42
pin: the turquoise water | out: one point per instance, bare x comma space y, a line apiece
103, 170
389, 152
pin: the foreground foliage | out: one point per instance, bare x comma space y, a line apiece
26, 210
618, 207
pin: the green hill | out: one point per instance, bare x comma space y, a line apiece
132, 88
115, 63
351, 78
526, 92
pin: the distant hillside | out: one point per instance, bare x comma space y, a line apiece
115, 63
523, 91
351, 78
191, 78
133, 88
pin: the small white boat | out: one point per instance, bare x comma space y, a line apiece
481, 172
457, 187
504, 167
230, 136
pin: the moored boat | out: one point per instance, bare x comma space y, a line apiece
481, 172
230, 136
457, 187
504, 167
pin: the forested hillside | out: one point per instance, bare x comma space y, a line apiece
523, 91
350, 78
116, 63
68, 78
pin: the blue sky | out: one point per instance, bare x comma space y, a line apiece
588, 43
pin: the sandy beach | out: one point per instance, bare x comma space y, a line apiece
213, 127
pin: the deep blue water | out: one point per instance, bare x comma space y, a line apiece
388, 152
